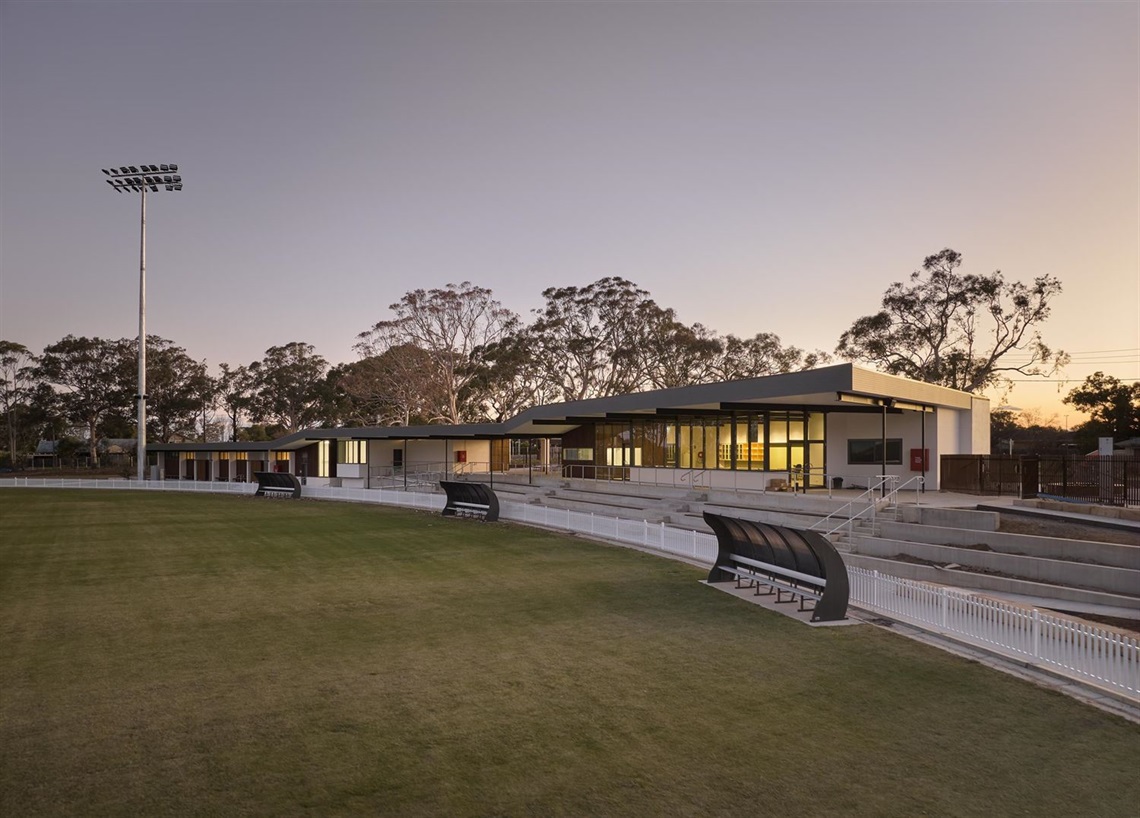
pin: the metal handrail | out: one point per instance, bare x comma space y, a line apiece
867, 496
919, 483
693, 474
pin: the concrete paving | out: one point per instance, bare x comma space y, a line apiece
768, 601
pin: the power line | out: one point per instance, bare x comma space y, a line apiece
1063, 380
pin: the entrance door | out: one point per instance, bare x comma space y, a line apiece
796, 464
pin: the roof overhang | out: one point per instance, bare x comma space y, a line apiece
842, 388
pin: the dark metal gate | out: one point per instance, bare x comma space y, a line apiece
1102, 480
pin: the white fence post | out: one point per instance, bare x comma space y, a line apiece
1036, 634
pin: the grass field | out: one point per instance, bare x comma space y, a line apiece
195, 655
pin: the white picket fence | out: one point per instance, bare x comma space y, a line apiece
1068, 647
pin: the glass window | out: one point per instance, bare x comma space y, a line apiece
685, 445
869, 452
352, 451
323, 448
778, 458
708, 451
650, 439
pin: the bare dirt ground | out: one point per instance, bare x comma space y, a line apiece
1014, 524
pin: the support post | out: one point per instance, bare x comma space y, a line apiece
140, 446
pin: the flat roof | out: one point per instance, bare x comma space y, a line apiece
831, 388
838, 388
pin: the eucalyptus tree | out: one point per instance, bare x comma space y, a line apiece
398, 387
672, 353
234, 394
17, 382
763, 354
95, 378
175, 383
448, 324
287, 386
966, 332
508, 379
590, 340
1112, 404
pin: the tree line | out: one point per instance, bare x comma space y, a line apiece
454, 354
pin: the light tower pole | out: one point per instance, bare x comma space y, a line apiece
137, 179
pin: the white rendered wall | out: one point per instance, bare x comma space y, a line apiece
908, 426
428, 452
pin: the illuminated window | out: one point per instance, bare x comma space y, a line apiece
352, 451
323, 448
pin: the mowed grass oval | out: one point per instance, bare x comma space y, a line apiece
191, 654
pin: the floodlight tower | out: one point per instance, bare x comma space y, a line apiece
137, 179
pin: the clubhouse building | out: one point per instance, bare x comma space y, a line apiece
840, 424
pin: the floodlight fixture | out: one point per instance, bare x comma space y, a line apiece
126, 178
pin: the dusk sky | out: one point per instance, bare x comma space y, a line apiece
759, 167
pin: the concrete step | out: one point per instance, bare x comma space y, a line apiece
1059, 595
606, 509
1058, 572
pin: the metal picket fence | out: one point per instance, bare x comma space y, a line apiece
1068, 647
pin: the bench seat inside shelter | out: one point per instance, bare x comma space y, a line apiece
277, 484
470, 500
789, 562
